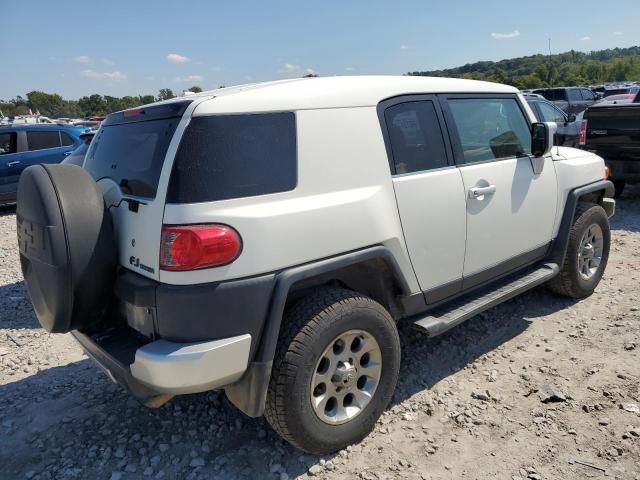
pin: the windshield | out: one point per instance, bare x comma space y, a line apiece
131, 154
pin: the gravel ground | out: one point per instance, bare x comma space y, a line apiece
469, 403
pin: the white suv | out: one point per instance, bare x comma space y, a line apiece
266, 239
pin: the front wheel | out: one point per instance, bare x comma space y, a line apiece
334, 372
587, 253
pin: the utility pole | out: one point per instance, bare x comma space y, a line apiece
550, 65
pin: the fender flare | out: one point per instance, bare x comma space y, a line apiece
250, 392
561, 242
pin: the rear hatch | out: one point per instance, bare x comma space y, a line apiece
127, 158
613, 131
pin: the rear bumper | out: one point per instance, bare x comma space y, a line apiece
164, 367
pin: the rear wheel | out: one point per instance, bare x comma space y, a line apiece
587, 253
335, 370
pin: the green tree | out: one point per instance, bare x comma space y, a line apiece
165, 94
195, 89
93, 105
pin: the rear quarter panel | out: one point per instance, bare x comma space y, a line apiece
343, 201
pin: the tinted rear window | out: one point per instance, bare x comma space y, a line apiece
132, 154
230, 156
620, 118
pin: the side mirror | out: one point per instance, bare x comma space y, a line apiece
542, 134
572, 118
542, 137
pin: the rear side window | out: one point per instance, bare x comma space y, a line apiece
8, 143
231, 156
491, 128
66, 139
42, 140
416, 137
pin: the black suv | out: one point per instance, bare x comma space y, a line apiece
569, 99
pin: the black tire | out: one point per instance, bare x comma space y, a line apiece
619, 186
308, 328
67, 247
569, 281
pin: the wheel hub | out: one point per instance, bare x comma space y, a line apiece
590, 251
346, 377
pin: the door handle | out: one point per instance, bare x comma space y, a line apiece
477, 192
13, 164
66, 154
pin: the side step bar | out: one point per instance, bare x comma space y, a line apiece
457, 311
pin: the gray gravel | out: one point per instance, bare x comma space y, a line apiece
469, 403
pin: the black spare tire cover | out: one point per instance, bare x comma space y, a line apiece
67, 247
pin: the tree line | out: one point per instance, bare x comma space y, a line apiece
534, 71
559, 70
54, 106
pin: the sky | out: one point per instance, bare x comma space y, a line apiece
136, 47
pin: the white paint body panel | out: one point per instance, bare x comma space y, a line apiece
516, 219
433, 213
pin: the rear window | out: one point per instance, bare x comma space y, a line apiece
231, 156
617, 118
131, 154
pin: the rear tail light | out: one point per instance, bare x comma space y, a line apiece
582, 137
191, 247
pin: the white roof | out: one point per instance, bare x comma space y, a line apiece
333, 92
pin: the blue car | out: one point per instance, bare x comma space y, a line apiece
24, 145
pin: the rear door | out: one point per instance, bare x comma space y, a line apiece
131, 157
45, 146
510, 209
429, 192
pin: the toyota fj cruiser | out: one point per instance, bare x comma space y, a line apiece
266, 239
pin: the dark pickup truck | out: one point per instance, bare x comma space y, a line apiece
613, 132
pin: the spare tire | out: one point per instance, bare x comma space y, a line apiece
67, 246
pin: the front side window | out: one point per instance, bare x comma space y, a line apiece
574, 95
8, 143
231, 156
415, 137
587, 94
490, 128
550, 113
42, 140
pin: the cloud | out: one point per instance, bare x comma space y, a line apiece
104, 76
177, 58
349, 69
618, 33
505, 36
190, 78
404, 47
585, 39
106, 61
83, 59
293, 70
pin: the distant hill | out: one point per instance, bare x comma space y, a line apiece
562, 69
